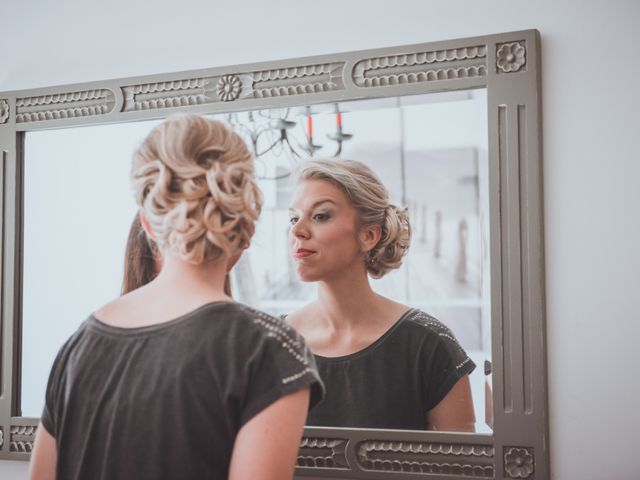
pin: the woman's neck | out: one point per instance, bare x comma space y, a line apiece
179, 288
182, 277
346, 302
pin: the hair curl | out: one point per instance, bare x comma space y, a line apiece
370, 198
193, 179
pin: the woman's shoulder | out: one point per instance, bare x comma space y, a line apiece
300, 320
422, 322
243, 319
448, 350
277, 328
219, 319
263, 319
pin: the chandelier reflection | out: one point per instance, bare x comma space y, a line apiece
284, 133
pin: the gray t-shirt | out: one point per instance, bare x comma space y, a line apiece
396, 380
166, 401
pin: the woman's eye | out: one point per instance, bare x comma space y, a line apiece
293, 220
321, 217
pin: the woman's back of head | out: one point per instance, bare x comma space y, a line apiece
142, 261
193, 180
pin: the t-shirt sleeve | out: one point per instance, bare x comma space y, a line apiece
446, 362
49, 418
280, 364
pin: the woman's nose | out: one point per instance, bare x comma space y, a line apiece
299, 230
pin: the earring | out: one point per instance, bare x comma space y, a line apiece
369, 258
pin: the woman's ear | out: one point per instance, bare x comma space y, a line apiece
145, 224
369, 237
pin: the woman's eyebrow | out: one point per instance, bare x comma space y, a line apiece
319, 202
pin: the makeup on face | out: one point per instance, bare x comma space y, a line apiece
323, 236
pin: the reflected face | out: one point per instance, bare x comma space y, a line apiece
323, 237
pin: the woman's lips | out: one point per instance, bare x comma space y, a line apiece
302, 253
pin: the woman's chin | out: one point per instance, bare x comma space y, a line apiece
308, 279
308, 276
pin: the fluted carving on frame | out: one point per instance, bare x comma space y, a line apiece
515, 320
22, 438
323, 453
419, 457
282, 82
421, 67
278, 82
4, 111
1, 437
64, 105
170, 94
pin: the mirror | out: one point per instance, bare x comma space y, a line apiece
490, 272
430, 149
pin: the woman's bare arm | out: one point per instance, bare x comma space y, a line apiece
43, 457
267, 445
454, 413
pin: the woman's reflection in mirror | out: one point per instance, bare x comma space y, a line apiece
206, 387
384, 364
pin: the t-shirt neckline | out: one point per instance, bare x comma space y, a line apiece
372, 346
98, 324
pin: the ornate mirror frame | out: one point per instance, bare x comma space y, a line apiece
508, 66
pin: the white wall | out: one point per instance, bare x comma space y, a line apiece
591, 164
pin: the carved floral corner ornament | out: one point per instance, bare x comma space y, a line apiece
510, 57
518, 462
228, 88
4, 116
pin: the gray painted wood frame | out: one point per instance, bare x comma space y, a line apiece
508, 66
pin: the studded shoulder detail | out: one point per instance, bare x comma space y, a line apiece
440, 329
289, 339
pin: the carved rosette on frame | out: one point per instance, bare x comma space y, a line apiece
4, 111
419, 457
421, 67
85, 103
22, 438
229, 88
518, 462
511, 57
323, 453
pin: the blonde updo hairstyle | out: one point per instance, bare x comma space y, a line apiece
370, 198
193, 179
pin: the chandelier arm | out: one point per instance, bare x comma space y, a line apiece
338, 151
293, 150
271, 147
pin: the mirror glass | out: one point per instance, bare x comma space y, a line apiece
429, 150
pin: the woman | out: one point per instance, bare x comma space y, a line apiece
385, 365
174, 380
